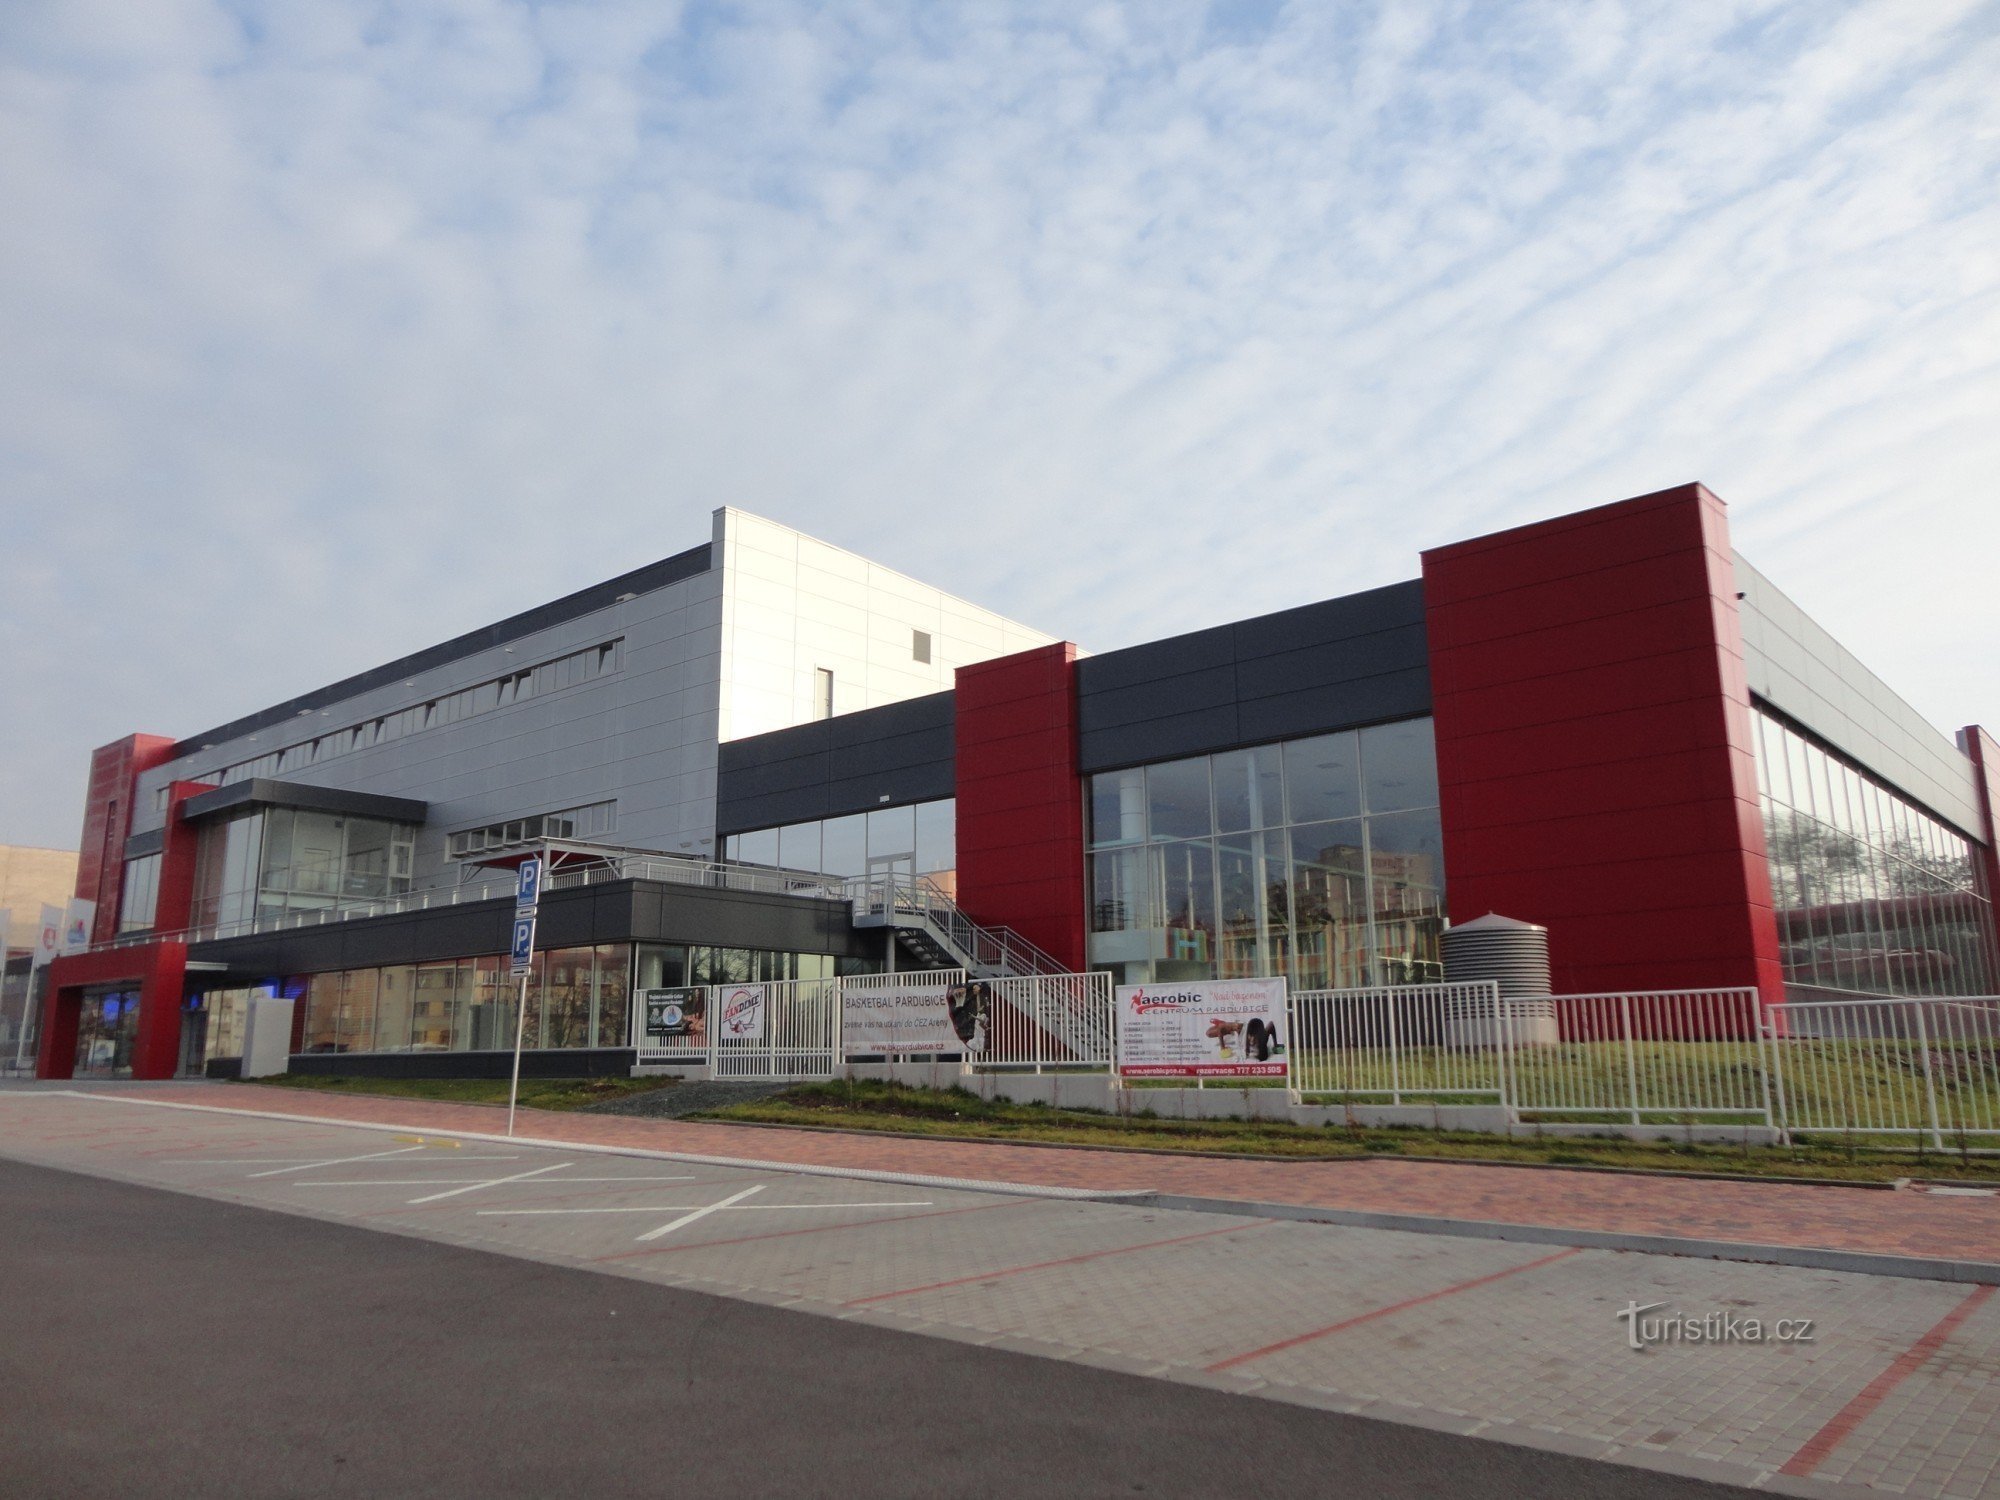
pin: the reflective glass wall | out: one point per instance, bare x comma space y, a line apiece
278, 859
1873, 895
917, 840
1319, 859
577, 997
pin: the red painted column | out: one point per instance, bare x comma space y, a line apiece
158, 971
173, 911
1020, 798
107, 823
1984, 753
1595, 761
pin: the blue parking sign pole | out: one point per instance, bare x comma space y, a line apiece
521, 957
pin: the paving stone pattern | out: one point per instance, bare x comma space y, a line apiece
1509, 1341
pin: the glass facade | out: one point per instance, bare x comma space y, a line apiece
1319, 859
918, 839
277, 860
107, 1029
1874, 896
138, 903
577, 997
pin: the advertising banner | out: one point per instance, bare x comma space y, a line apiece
676, 1013
48, 941
899, 1018
77, 924
1207, 1028
740, 1012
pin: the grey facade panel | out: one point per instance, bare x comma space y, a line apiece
153, 841
260, 792
1362, 659
585, 601
879, 757
619, 912
1799, 669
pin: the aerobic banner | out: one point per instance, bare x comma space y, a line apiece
897, 1018
1208, 1028
740, 1013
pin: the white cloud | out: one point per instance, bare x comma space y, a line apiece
333, 330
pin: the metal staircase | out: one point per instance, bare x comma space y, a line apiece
1044, 993
929, 926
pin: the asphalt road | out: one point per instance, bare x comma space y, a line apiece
157, 1344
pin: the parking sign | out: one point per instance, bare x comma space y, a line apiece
528, 887
523, 948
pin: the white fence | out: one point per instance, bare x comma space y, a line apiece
1658, 1056
1925, 1070
1896, 1072
1429, 1043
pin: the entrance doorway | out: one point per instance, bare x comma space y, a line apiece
107, 1029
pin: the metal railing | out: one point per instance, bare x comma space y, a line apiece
1049, 1020
796, 1030
1404, 1043
1655, 1056
664, 869
1914, 1069
995, 952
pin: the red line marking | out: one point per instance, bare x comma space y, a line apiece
1383, 1312
1822, 1443
785, 1234
1067, 1260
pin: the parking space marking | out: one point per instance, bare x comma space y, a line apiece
439, 1183
265, 1161
1067, 1260
784, 1234
672, 1208
490, 1182
700, 1213
1383, 1312
338, 1161
1821, 1444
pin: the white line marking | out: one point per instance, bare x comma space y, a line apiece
338, 1161
668, 1208
265, 1161
442, 1181
699, 1213
490, 1182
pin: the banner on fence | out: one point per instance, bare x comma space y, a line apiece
897, 1018
1208, 1028
740, 1012
675, 1013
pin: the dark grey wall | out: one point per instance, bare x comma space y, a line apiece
879, 757
1362, 659
619, 912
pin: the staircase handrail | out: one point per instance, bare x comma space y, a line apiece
997, 947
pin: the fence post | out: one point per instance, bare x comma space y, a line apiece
1930, 1081
1631, 1056
1035, 988
1773, 1041
1395, 1052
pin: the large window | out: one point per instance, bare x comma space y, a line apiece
138, 903
1874, 896
916, 840
1319, 859
278, 860
577, 997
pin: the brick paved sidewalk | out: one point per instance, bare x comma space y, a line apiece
1864, 1220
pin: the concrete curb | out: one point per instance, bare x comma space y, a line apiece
1863, 1262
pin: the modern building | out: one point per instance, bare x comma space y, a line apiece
1607, 723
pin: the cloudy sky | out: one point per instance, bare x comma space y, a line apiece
328, 330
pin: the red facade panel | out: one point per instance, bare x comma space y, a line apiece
107, 823
1593, 742
158, 971
1020, 798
